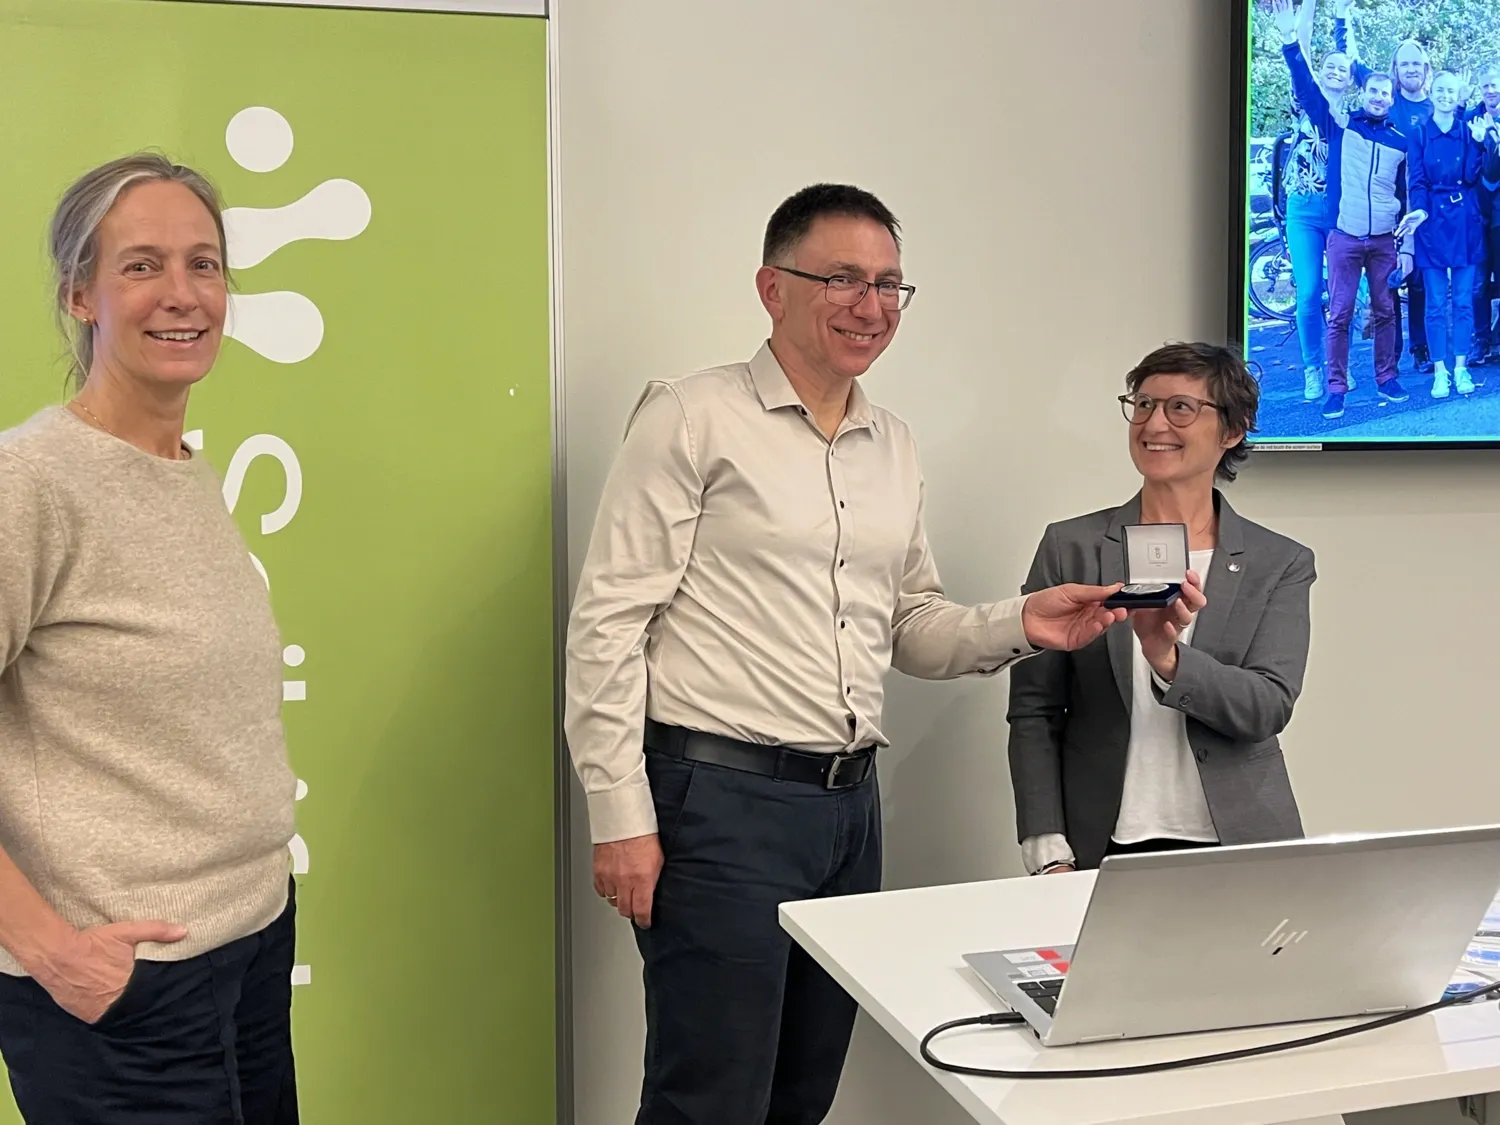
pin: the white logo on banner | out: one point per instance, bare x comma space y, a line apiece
269, 445
284, 327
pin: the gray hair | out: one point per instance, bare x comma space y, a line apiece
74, 235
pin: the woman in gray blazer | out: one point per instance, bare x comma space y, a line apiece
1163, 732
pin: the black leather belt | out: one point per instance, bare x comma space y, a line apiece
830, 771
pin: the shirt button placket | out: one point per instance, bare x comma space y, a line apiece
839, 491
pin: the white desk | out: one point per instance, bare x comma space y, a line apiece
900, 955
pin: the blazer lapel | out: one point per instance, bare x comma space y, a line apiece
1111, 570
1222, 583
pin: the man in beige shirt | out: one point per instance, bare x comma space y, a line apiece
758, 563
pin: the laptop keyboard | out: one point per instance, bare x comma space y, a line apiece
1043, 992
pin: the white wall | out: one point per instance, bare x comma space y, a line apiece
1061, 172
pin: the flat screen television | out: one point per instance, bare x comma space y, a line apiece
1357, 126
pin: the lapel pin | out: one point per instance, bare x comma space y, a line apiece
1234, 567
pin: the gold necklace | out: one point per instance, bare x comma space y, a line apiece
78, 402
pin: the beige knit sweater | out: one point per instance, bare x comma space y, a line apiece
143, 768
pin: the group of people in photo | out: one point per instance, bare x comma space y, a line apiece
1390, 182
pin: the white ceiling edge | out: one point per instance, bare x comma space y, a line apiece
482, 7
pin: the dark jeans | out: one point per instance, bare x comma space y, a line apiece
1484, 289
1347, 258
1416, 315
742, 1026
200, 1042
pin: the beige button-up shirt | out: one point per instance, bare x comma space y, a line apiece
750, 578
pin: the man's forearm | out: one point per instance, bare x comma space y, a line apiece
942, 640
606, 747
604, 713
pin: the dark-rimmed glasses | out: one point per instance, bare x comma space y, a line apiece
842, 289
1181, 410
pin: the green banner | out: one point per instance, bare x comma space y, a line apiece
382, 418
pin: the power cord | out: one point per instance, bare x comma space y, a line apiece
1010, 1018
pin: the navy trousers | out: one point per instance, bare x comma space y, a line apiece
742, 1026
205, 1041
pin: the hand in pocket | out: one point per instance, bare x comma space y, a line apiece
91, 969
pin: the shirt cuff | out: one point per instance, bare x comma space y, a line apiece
622, 813
1005, 632
1049, 847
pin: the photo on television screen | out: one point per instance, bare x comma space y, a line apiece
1372, 197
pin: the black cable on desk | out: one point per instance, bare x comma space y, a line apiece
1011, 1018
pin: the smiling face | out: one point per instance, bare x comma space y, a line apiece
1410, 65
1335, 73
158, 297
837, 342
1377, 95
1169, 454
1445, 93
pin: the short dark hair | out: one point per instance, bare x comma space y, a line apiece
1377, 76
790, 222
1231, 387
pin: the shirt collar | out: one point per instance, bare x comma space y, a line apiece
776, 393
1380, 122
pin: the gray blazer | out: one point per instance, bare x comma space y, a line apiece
1070, 712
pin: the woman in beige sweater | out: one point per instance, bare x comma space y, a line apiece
146, 907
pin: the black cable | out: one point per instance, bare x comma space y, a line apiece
1009, 1018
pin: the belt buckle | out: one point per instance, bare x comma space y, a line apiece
830, 782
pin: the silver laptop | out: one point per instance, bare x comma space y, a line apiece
1215, 938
